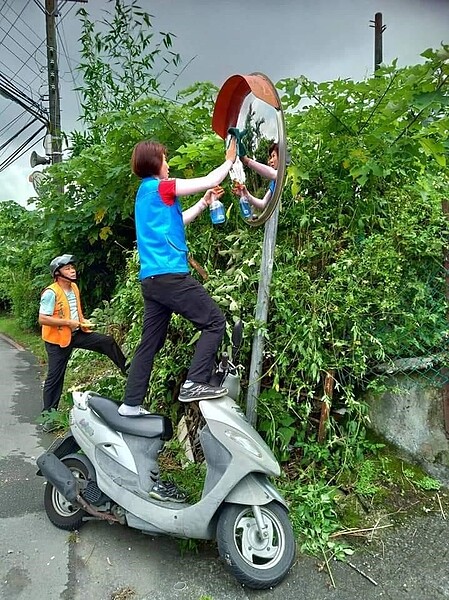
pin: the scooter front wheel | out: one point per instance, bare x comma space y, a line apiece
62, 513
256, 561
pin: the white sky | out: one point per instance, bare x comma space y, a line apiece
322, 39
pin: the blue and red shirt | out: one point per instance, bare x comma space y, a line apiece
161, 241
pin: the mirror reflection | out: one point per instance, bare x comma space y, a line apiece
257, 123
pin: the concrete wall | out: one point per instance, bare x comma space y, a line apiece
410, 416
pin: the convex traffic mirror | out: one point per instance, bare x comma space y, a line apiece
248, 106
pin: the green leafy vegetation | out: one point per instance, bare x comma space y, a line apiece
358, 276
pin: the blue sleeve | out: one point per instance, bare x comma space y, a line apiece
47, 305
272, 186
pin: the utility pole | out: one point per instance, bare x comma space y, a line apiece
378, 31
51, 12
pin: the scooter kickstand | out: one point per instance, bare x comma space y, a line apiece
261, 526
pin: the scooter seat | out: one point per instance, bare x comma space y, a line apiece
150, 426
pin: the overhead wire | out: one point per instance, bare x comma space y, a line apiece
28, 27
20, 151
21, 47
26, 54
69, 61
13, 122
12, 25
16, 135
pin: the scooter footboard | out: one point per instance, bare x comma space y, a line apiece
255, 490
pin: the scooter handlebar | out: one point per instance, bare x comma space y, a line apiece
224, 362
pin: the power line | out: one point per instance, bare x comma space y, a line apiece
20, 151
68, 59
13, 122
24, 54
29, 28
12, 26
10, 91
11, 139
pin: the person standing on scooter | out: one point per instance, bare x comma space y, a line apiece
64, 328
166, 284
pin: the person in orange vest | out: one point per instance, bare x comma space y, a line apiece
64, 328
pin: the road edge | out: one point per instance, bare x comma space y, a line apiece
12, 342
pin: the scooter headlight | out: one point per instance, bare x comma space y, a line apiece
245, 442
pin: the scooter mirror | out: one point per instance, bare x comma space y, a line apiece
237, 334
249, 108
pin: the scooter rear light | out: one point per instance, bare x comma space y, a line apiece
80, 400
245, 442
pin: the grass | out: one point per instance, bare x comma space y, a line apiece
31, 340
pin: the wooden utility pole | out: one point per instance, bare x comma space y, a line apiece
378, 31
51, 12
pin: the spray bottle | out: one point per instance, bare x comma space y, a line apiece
217, 212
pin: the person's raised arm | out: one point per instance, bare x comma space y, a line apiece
263, 170
185, 187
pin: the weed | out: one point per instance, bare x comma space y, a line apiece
125, 593
73, 537
54, 420
367, 478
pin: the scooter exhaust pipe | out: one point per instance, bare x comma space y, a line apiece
61, 477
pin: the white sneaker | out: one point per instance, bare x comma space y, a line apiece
132, 411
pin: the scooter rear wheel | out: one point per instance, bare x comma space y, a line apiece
62, 513
256, 562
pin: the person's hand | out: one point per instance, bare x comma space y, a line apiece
87, 323
239, 189
73, 325
231, 151
239, 135
213, 194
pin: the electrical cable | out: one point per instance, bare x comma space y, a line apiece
33, 31
13, 122
11, 139
25, 147
68, 59
12, 25
9, 90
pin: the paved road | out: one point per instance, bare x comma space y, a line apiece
107, 562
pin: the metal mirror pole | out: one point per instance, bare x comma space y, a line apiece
263, 297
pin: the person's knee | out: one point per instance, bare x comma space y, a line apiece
218, 323
109, 342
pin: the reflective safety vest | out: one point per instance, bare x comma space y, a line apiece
62, 334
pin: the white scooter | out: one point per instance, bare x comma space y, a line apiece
106, 465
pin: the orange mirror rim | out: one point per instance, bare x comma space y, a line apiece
232, 94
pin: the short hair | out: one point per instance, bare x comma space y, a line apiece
146, 159
273, 148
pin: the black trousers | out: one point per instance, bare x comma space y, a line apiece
164, 295
59, 357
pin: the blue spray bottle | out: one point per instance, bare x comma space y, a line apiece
245, 207
217, 212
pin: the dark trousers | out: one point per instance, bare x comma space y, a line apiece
164, 295
59, 357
